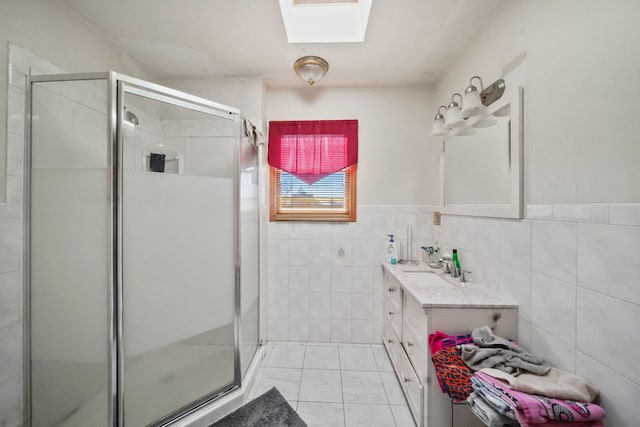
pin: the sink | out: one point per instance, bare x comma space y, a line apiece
426, 279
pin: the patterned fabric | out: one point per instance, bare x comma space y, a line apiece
456, 340
454, 377
533, 410
439, 340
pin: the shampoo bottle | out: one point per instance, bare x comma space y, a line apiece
392, 252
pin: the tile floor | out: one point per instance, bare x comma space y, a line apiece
335, 385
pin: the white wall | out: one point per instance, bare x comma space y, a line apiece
243, 93
582, 135
569, 263
393, 124
59, 35
11, 214
313, 293
55, 33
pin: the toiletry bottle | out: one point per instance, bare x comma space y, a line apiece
454, 259
392, 252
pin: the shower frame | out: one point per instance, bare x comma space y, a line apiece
117, 85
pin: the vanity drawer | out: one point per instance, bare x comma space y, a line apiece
392, 344
392, 288
413, 389
393, 314
417, 349
415, 316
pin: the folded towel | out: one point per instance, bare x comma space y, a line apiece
532, 410
555, 383
493, 397
487, 413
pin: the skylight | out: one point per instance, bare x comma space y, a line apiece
325, 21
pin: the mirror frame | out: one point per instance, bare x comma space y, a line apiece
513, 209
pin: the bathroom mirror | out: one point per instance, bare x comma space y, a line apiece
481, 162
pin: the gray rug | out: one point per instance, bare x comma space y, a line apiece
268, 410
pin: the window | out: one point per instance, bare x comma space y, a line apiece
313, 170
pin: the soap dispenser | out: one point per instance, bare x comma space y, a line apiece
392, 252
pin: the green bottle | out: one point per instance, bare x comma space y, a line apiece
454, 258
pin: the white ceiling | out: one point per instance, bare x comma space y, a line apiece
408, 42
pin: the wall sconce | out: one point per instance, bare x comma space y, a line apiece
438, 124
473, 103
453, 117
311, 68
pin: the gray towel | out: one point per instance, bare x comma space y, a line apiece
487, 413
492, 351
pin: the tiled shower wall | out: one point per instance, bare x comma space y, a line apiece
573, 271
11, 239
324, 279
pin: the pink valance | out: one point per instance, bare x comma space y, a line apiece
312, 150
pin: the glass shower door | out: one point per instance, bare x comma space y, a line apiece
179, 244
69, 245
249, 249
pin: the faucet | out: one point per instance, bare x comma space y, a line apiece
449, 266
455, 271
464, 275
446, 260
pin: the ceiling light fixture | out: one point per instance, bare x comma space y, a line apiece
311, 68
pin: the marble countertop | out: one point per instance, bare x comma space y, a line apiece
432, 288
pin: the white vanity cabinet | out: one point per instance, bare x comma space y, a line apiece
410, 315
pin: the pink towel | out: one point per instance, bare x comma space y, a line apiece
439, 340
435, 341
533, 410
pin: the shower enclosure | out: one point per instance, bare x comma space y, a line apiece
142, 201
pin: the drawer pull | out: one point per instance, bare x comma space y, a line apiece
389, 340
391, 313
407, 380
409, 344
392, 289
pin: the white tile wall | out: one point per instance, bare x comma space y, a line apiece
325, 278
571, 268
299, 279
553, 250
615, 347
555, 351
553, 307
10, 298
618, 394
606, 259
583, 213
624, 214
11, 236
10, 351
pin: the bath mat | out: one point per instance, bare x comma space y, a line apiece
268, 410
